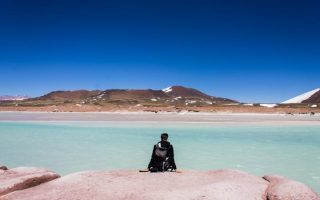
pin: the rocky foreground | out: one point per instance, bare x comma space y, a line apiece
39, 184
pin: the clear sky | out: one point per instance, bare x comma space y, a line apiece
251, 51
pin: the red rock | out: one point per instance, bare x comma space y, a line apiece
23, 177
281, 188
132, 185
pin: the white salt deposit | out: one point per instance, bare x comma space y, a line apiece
268, 105
302, 97
187, 102
191, 101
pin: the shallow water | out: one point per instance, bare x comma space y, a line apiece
67, 147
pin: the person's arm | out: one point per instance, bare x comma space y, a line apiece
172, 162
152, 157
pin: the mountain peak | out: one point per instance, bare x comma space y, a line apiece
175, 87
307, 97
178, 91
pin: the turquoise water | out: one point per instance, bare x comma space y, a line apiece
67, 147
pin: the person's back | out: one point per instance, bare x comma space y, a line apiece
162, 158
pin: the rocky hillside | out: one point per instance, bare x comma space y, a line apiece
68, 95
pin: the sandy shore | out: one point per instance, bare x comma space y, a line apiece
223, 118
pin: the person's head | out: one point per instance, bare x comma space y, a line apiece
164, 136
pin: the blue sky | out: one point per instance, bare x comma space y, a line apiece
251, 51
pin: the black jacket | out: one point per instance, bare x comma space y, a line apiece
156, 162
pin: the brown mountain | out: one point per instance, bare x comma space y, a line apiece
133, 94
69, 95
180, 91
172, 96
190, 93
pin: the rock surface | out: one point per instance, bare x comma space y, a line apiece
120, 185
132, 185
23, 177
2, 167
281, 188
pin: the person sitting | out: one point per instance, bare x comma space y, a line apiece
162, 158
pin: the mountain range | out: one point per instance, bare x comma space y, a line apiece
174, 95
171, 96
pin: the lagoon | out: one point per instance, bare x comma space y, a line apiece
71, 146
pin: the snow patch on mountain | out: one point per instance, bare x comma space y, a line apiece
168, 89
302, 97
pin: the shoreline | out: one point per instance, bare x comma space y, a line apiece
161, 117
283, 109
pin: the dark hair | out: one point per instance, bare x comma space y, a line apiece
164, 136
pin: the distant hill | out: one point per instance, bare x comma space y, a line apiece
170, 99
190, 93
174, 95
311, 97
68, 95
13, 98
180, 91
